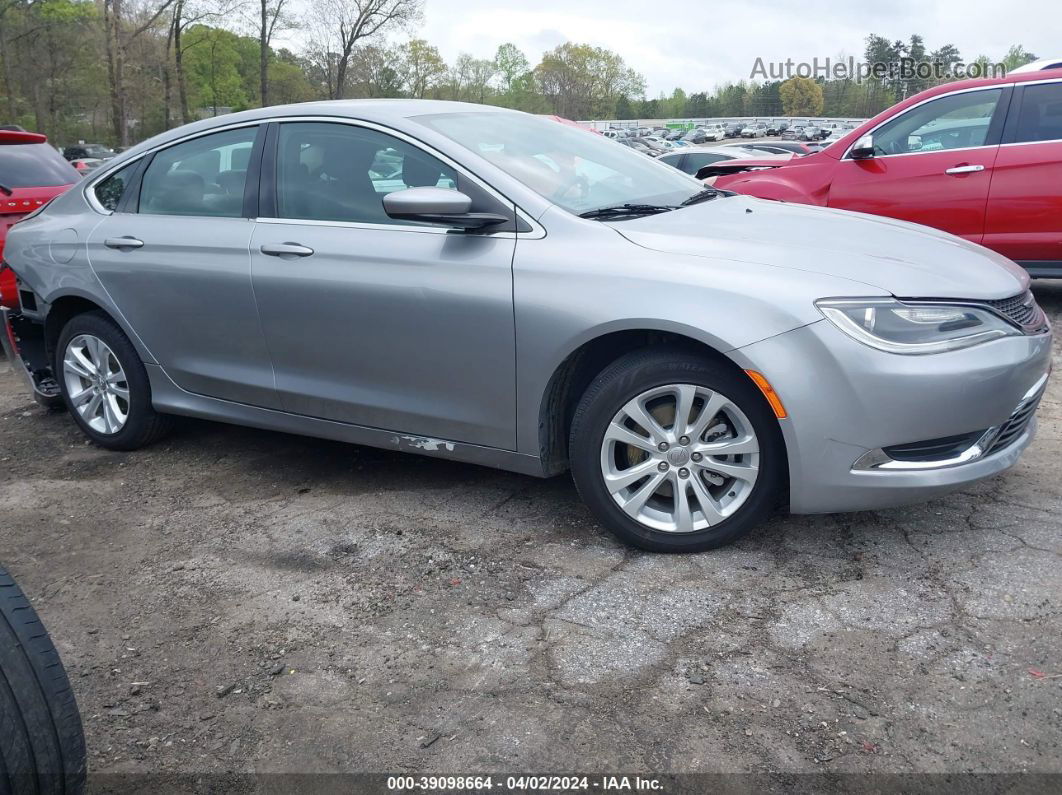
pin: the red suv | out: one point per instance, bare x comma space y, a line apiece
31, 173
981, 159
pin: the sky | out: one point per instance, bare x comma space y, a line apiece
696, 45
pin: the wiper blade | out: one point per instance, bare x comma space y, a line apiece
705, 195
6, 190
628, 209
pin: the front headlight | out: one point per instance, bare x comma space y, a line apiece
914, 328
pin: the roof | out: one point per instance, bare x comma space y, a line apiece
382, 111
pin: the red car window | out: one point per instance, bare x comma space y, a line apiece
33, 166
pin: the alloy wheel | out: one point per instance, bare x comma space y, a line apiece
96, 384
680, 458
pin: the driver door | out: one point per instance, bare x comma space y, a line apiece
381, 323
932, 165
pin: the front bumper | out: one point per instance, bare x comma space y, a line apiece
847, 401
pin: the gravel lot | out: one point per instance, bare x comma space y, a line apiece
235, 600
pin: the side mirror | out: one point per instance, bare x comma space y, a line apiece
863, 149
443, 206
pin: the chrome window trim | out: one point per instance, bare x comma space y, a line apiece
537, 230
89, 191
995, 87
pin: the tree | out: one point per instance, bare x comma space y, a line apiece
584, 82
338, 26
801, 96
271, 19
510, 63
421, 67
1017, 56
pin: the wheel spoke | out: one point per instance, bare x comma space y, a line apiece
709, 411
709, 507
745, 472
90, 409
121, 392
79, 364
633, 506
684, 397
626, 477
637, 412
621, 435
79, 398
683, 512
742, 445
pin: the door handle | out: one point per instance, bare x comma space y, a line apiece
286, 250
123, 242
964, 169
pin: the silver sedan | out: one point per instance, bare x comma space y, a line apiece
478, 284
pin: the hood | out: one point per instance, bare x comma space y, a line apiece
904, 259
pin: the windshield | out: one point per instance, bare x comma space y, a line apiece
567, 165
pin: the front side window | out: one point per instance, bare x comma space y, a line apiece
205, 176
1040, 116
567, 165
339, 172
958, 121
109, 191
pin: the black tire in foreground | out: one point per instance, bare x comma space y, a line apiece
42, 745
660, 366
142, 424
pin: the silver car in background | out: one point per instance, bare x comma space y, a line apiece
478, 284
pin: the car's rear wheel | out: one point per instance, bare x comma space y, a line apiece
105, 386
676, 453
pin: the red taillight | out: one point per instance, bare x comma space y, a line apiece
79, 165
8, 288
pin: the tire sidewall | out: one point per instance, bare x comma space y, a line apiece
141, 412
638, 373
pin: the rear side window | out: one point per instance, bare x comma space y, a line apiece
109, 191
1040, 115
205, 176
34, 166
695, 162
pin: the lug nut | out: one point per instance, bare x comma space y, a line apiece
662, 447
684, 473
662, 466
696, 456
684, 440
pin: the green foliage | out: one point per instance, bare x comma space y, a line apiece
801, 96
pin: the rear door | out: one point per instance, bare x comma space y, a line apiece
173, 255
933, 164
1024, 218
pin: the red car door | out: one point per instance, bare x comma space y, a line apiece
932, 164
1024, 219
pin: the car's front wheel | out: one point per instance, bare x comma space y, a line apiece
674, 452
105, 386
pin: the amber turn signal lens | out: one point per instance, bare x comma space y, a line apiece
769, 393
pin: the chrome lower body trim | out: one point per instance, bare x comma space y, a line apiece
879, 459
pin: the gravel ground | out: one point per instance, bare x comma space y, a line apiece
238, 600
